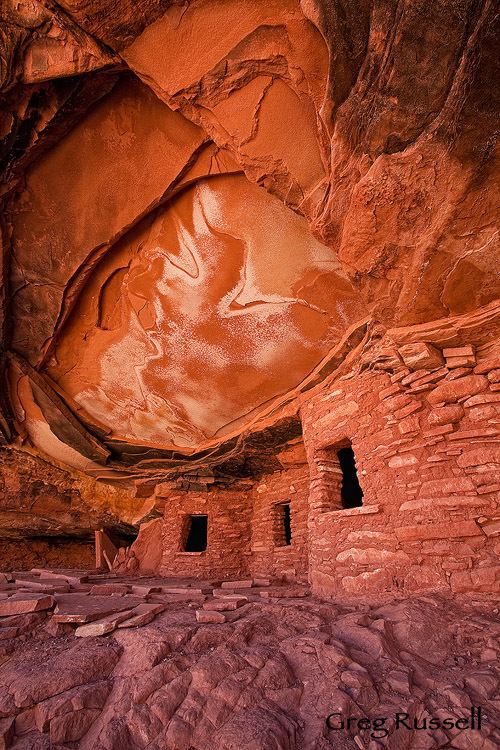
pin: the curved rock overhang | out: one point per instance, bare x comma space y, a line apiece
203, 223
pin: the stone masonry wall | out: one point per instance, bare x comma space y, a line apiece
425, 437
270, 557
228, 534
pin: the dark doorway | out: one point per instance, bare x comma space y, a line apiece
196, 538
350, 491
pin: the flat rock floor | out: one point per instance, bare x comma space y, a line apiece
115, 663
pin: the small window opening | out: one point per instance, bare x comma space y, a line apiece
283, 528
350, 491
196, 537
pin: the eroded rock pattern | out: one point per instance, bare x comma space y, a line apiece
266, 679
243, 243
217, 208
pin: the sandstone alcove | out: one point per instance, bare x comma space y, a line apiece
250, 372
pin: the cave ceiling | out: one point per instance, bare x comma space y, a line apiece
201, 219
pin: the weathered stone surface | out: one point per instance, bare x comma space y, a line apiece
72, 726
87, 696
141, 615
438, 531
246, 584
174, 223
457, 389
445, 415
20, 604
261, 674
109, 589
102, 626
416, 356
224, 605
249, 263
210, 616
80, 608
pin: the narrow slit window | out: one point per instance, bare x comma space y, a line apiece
197, 532
283, 525
351, 493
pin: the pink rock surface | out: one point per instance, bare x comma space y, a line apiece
209, 616
249, 273
258, 679
79, 608
224, 605
20, 604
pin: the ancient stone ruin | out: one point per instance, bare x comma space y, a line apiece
250, 372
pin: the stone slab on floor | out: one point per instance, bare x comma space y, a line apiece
236, 593
71, 576
19, 604
141, 615
225, 604
285, 593
81, 608
145, 590
210, 617
176, 598
184, 590
129, 618
103, 626
109, 589
244, 584
50, 590
44, 583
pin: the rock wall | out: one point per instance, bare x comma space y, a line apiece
45, 553
228, 534
270, 555
39, 499
423, 419
425, 437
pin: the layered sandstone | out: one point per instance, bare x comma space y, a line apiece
249, 339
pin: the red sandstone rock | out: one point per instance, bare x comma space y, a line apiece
210, 616
460, 351
19, 604
141, 615
446, 415
72, 726
247, 584
457, 389
224, 605
47, 588
453, 362
437, 531
110, 589
79, 608
141, 590
101, 626
91, 696
416, 356
238, 254
70, 577
6, 733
